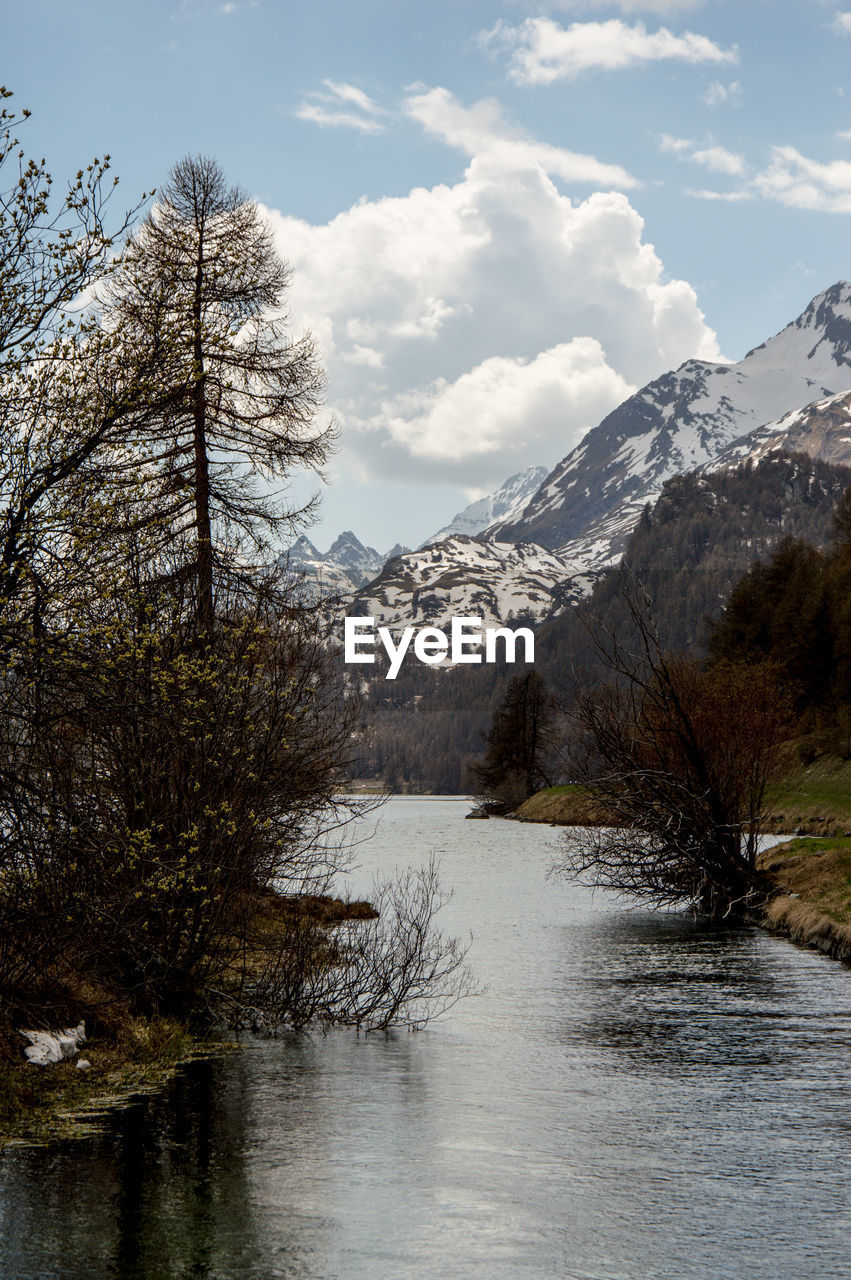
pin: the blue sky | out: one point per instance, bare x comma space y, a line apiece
502, 217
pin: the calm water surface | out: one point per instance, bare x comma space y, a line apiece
634, 1097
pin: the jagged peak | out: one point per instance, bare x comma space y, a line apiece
828, 310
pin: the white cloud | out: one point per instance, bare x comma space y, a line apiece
790, 178
543, 51
474, 328
710, 156
481, 131
794, 180
333, 109
677, 145
717, 94
731, 197
481, 411
844, 133
720, 160
842, 24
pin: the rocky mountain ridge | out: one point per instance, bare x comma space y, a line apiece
346, 566
680, 422
822, 430
792, 392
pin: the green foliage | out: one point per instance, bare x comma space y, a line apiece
795, 610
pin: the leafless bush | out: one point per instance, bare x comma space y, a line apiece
677, 755
396, 969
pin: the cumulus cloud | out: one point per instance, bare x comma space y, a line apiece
342, 106
842, 24
479, 413
473, 328
482, 131
543, 52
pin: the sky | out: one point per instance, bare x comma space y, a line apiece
501, 218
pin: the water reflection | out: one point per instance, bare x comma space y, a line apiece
635, 1096
162, 1193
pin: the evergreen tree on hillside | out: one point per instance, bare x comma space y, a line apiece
516, 764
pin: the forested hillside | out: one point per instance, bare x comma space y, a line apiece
687, 552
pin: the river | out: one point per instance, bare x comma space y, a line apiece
635, 1096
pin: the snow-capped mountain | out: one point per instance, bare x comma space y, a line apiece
345, 566
505, 503
349, 553
467, 577
822, 429
679, 422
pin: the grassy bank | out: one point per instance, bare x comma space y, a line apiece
570, 805
813, 903
813, 799
811, 873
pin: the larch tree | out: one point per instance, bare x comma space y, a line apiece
199, 297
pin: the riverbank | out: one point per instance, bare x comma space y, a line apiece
813, 902
570, 805
809, 799
130, 1055
42, 1102
811, 873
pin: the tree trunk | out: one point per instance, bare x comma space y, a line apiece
204, 610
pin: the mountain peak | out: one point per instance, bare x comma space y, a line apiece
505, 503
679, 422
827, 319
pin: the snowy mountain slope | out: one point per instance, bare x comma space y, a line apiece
679, 422
823, 430
505, 503
467, 577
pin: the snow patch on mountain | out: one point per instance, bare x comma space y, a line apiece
822, 429
505, 503
468, 577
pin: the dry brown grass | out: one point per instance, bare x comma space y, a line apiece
817, 871
813, 905
569, 806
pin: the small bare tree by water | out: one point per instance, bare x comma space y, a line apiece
677, 755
